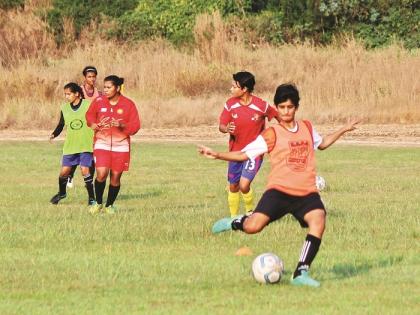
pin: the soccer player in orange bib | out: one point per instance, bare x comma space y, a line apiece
243, 117
114, 118
291, 183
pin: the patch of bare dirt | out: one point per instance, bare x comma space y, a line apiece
389, 135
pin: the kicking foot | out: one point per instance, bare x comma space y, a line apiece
305, 280
222, 225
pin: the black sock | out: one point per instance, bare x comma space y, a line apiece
89, 186
112, 195
308, 253
92, 169
72, 171
99, 190
62, 185
238, 224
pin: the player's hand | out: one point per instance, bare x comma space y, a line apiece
103, 124
352, 124
50, 138
117, 123
207, 152
230, 128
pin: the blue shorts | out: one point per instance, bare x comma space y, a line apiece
83, 159
247, 169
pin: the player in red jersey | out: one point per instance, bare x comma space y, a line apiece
243, 117
114, 118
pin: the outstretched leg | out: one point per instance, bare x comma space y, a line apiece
316, 222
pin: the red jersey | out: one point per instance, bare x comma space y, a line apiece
249, 120
113, 138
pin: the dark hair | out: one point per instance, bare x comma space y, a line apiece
116, 81
74, 88
89, 69
286, 92
245, 79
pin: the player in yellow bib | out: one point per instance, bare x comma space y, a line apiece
90, 92
78, 145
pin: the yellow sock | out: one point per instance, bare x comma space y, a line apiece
233, 201
249, 200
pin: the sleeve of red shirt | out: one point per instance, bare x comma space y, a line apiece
224, 118
91, 113
133, 123
271, 112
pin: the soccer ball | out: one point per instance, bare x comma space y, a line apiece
267, 268
320, 183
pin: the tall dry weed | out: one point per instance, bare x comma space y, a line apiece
23, 35
177, 88
211, 37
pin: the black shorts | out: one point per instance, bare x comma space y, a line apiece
276, 204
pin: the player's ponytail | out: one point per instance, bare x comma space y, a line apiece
74, 88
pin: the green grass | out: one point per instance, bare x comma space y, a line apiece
157, 256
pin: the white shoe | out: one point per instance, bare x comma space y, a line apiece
70, 182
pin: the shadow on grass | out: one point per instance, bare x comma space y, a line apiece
342, 271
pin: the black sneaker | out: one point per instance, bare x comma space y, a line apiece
56, 199
91, 202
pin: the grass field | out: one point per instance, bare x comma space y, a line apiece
157, 256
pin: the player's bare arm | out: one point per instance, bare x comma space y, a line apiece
330, 139
229, 128
225, 156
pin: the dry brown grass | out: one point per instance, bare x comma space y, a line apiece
182, 88
23, 35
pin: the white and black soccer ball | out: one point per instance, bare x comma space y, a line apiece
267, 268
320, 183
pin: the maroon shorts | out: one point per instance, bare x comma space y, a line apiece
116, 161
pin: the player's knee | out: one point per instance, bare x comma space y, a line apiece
115, 182
101, 177
234, 187
252, 226
317, 222
244, 188
64, 172
85, 171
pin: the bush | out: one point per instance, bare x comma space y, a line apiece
376, 22
11, 4
83, 12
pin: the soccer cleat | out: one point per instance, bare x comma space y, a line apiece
95, 208
305, 280
111, 209
222, 225
70, 182
91, 202
56, 198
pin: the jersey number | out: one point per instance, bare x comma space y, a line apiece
250, 165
